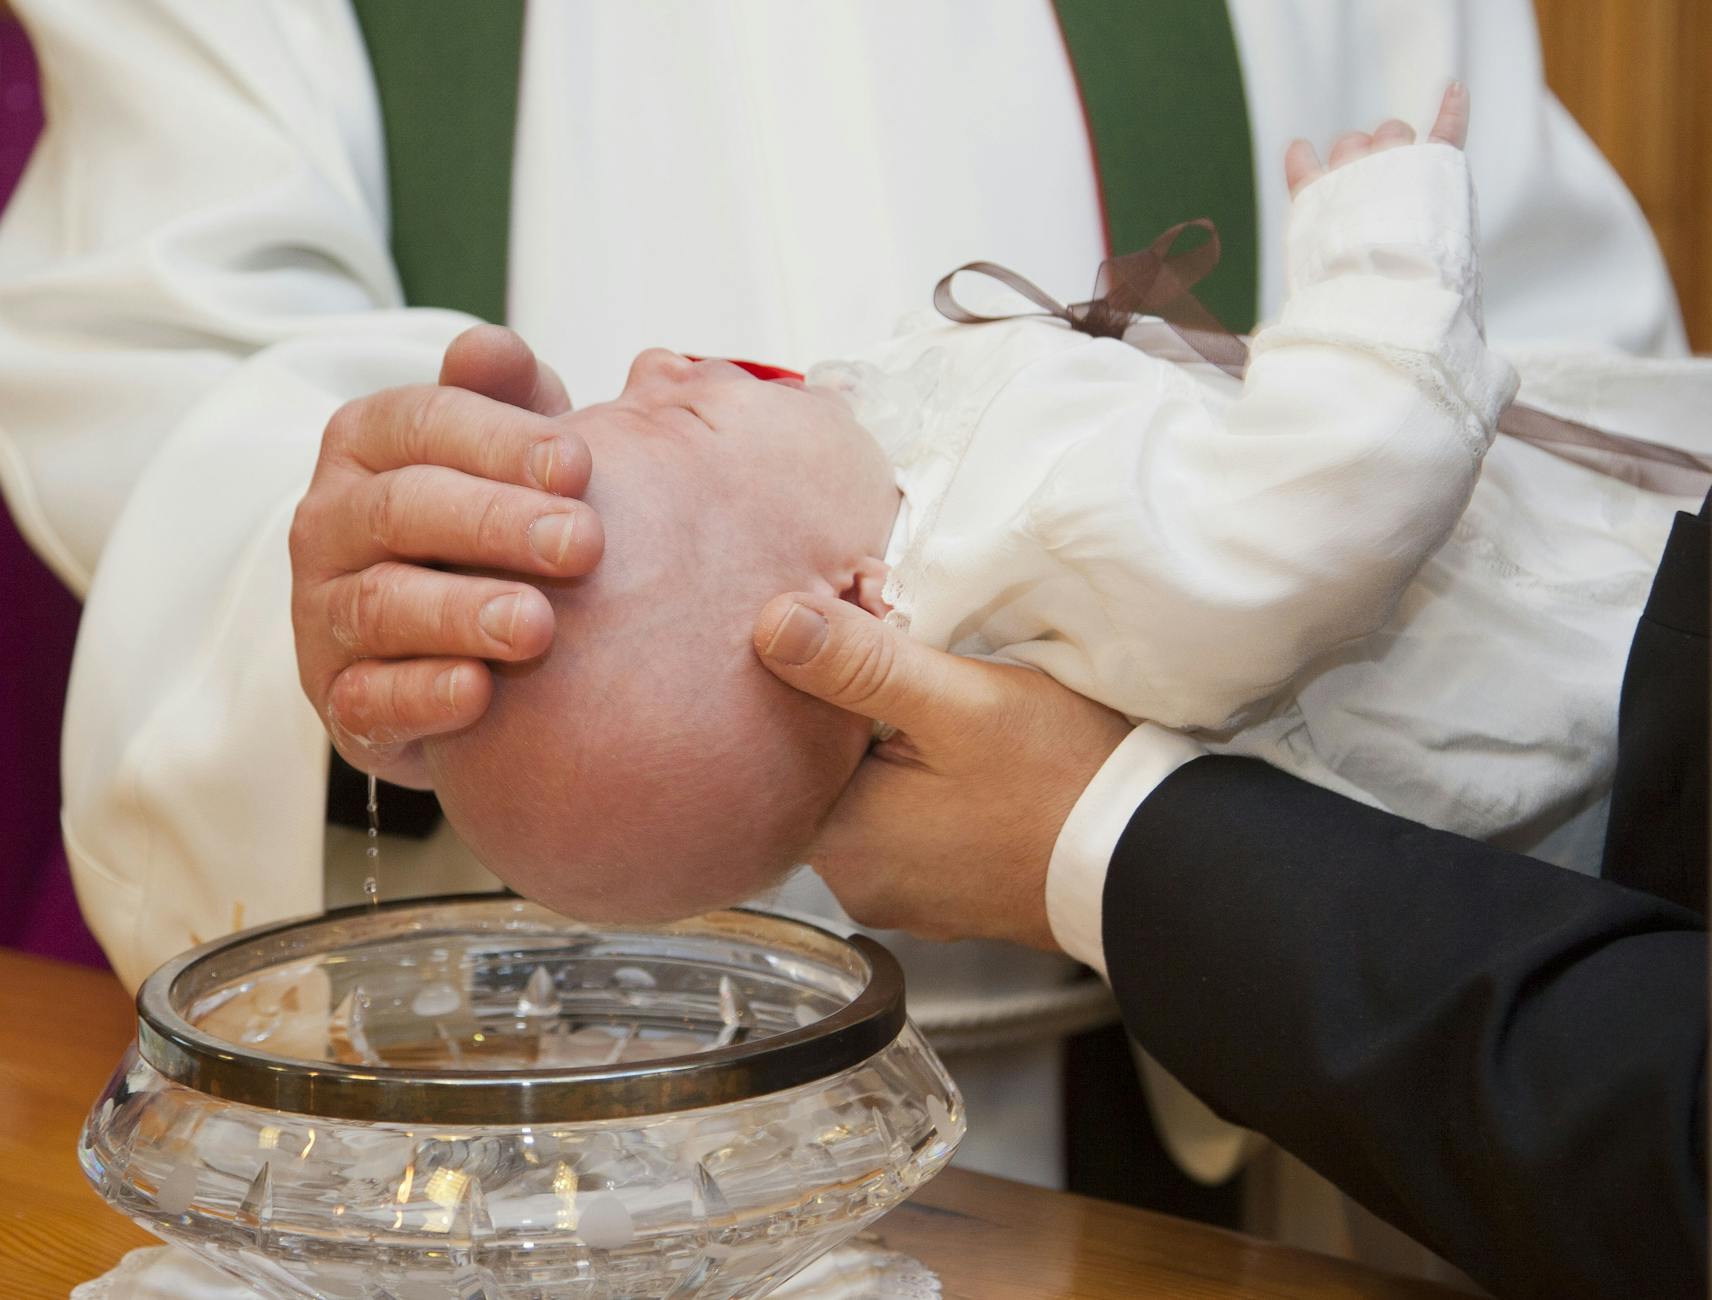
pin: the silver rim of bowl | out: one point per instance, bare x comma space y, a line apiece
186, 1055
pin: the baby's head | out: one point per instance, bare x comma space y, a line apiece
648, 767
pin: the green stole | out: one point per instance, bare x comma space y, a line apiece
1160, 80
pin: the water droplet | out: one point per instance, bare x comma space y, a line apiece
437, 999
540, 995
605, 1223
633, 977
371, 885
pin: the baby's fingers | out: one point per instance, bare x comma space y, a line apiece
1452, 125
1301, 165
1348, 147
1392, 134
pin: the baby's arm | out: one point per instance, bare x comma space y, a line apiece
1231, 548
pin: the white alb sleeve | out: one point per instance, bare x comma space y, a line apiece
193, 275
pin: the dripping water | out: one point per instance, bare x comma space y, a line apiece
371, 882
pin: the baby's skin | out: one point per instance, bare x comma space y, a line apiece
648, 766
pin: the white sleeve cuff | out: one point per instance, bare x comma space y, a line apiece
1404, 214
1381, 258
1076, 876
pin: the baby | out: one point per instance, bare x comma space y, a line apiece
648, 766
1299, 565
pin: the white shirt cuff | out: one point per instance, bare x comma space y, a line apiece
1402, 214
1076, 876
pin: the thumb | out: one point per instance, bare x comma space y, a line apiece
834, 651
497, 363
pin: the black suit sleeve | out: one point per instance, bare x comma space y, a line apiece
1503, 1058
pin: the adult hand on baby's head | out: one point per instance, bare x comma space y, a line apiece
1302, 163
473, 471
946, 830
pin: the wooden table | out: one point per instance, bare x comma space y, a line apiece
62, 1029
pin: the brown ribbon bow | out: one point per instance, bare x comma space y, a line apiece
1158, 282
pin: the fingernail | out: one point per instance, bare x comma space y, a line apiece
551, 535
498, 619
798, 637
542, 457
1458, 88
447, 685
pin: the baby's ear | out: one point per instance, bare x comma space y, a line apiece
867, 581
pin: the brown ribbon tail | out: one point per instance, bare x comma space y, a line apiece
1219, 347
1155, 281
1651, 466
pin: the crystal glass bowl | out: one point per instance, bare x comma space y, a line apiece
475, 1098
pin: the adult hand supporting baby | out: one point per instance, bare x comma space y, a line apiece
473, 471
947, 828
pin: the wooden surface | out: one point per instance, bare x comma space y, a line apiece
62, 1029
1637, 75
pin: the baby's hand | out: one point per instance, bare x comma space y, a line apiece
1302, 164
